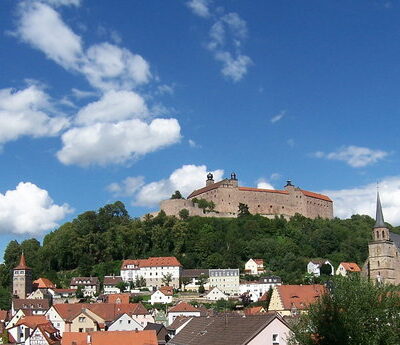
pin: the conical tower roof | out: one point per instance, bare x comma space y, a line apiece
380, 223
22, 264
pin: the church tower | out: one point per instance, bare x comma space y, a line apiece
383, 258
22, 279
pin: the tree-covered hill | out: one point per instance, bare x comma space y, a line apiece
95, 242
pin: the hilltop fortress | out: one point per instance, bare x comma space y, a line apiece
227, 194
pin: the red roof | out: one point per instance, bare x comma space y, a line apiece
108, 338
152, 262
205, 189
254, 310
316, 195
259, 261
351, 266
118, 298
43, 283
299, 296
167, 290
183, 307
250, 189
22, 264
32, 321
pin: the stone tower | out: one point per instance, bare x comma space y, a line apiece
22, 279
383, 258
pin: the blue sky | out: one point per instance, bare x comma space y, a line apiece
131, 100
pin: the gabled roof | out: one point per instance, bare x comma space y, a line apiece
112, 280
122, 298
50, 333
110, 338
22, 264
259, 261
32, 321
154, 326
351, 266
166, 290
254, 310
162, 261
299, 296
43, 283
25, 303
206, 189
225, 330
183, 307
179, 322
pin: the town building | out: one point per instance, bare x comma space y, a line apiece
110, 284
154, 271
291, 300
256, 289
346, 268
124, 322
254, 266
225, 279
216, 294
227, 194
161, 332
234, 330
193, 278
383, 263
314, 267
90, 285
30, 306
163, 295
22, 279
182, 309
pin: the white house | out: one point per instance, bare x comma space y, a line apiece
314, 267
258, 288
216, 294
227, 280
110, 284
254, 266
90, 285
182, 309
125, 323
153, 270
347, 267
163, 295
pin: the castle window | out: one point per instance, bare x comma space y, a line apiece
383, 234
377, 235
379, 264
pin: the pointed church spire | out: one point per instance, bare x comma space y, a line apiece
22, 263
380, 223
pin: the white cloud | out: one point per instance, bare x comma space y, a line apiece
185, 179
127, 187
264, 184
79, 94
25, 113
113, 106
42, 27
107, 143
29, 209
355, 156
278, 116
233, 68
275, 176
108, 66
193, 144
362, 200
165, 89
199, 7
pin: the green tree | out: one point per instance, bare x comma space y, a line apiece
326, 270
121, 286
184, 214
177, 195
243, 210
166, 279
202, 289
354, 312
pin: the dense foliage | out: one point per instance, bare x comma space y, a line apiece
354, 312
95, 242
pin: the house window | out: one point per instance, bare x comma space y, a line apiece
82, 319
275, 338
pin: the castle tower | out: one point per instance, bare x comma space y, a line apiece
383, 259
210, 179
22, 279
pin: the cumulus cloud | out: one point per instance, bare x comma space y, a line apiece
264, 184
42, 27
355, 156
185, 179
25, 113
278, 116
113, 106
127, 187
120, 142
362, 200
29, 209
227, 34
199, 7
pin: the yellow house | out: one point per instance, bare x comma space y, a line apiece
86, 321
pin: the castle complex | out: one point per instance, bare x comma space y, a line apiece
227, 194
383, 263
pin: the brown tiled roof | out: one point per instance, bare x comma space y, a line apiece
162, 261
22, 264
167, 290
254, 310
183, 307
41, 304
178, 322
259, 261
351, 266
299, 296
64, 290
194, 272
43, 283
226, 330
112, 280
110, 338
205, 189
81, 280
50, 333
32, 321
120, 297
316, 195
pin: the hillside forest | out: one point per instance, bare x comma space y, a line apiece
95, 243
